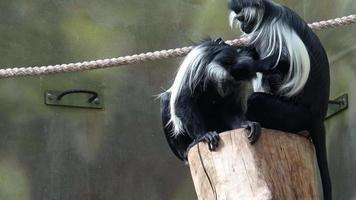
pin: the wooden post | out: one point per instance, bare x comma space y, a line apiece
280, 166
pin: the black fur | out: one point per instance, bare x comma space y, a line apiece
204, 109
305, 110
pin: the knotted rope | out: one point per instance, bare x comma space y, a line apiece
143, 57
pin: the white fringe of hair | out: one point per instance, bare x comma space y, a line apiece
249, 14
257, 83
191, 72
276, 36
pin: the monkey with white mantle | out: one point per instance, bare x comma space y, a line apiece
208, 96
292, 86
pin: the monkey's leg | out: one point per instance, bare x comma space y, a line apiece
277, 113
194, 130
194, 123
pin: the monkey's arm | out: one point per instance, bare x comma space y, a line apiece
277, 113
179, 143
268, 65
188, 111
265, 65
194, 127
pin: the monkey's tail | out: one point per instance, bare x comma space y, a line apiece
318, 136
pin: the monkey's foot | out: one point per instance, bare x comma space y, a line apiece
212, 138
254, 129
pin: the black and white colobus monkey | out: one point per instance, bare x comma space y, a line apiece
292, 88
206, 98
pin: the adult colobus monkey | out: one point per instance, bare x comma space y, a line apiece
292, 88
207, 97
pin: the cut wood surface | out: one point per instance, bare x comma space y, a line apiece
280, 166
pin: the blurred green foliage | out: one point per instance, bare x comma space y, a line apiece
120, 152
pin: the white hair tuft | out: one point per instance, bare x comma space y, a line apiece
277, 36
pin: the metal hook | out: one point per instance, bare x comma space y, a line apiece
337, 102
337, 105
56, 98
90, 100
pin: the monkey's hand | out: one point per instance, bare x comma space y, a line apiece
254, 129
212, 138
244, 68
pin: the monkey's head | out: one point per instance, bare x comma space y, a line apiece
272, 30
211, 63
246, 13
230, 59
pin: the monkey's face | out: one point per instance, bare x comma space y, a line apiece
246, 13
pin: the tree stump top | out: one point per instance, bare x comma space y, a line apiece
279, 166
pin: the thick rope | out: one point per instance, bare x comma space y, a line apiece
143, 57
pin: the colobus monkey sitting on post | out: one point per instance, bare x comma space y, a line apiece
292, 88
207, 97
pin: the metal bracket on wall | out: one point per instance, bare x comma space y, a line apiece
337, 105
70, 98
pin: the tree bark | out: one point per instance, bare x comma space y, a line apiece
278, 166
